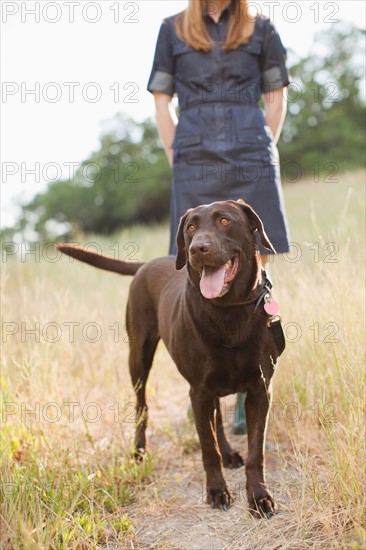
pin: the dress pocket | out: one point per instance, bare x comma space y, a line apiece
186, 146
187, 140
188, 62
254, 46
245, 60
253, 145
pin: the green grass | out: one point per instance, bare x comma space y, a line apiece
55, 496
68, 477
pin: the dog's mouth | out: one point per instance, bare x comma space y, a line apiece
216, 281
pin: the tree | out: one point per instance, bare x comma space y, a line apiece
324, 128
125, 181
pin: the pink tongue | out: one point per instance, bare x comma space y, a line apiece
212, 281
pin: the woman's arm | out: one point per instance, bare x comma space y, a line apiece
166, 122
275, 106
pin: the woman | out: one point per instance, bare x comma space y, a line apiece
220, 61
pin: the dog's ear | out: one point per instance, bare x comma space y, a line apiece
256, 224
181, 258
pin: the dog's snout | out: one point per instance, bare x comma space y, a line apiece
200, 247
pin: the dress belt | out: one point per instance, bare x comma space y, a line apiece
184, 105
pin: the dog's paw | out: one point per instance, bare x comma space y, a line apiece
263, 505
139, 454
233, 460
219, 498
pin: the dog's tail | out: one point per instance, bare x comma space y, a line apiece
99, 260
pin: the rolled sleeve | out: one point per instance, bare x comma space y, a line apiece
162, 73
161, 82
274, 70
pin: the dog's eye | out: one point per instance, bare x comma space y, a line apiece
190, 228
224, 221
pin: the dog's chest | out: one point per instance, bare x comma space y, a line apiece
230, 370
236, 333
223, 369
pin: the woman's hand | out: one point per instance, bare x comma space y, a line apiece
166, 122
275, 106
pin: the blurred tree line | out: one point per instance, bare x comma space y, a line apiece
127, 181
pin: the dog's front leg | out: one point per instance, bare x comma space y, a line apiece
218, 495
256, 409
230, 457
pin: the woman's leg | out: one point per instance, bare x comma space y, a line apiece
239, 422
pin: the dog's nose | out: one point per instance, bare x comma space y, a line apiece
200, 247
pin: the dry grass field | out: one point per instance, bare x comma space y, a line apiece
68, 481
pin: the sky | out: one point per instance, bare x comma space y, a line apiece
67, 66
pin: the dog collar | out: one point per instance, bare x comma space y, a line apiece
270, 306
264, 295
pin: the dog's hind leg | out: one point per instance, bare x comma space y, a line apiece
143, 339
230, 457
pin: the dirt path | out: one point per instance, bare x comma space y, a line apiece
177, 518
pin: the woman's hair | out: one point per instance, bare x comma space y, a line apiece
191, 27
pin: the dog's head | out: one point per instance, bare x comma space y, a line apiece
217, 241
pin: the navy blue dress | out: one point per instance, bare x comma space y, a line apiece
222, 146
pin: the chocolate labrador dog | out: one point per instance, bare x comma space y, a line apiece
211, 306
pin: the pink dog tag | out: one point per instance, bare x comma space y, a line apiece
271, 307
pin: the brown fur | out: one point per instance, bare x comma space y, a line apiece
221, 346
